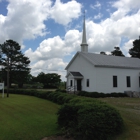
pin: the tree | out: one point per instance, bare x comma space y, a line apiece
50, 80
117, 52
135, 51
13, 62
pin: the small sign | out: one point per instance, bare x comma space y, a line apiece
2, 88
1, 85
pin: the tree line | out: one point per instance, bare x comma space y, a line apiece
134, 51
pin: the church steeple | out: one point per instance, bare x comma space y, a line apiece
84, 45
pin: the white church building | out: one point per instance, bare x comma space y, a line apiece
102, 73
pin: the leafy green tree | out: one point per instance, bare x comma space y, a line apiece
50, 80
21, 77
14, 63
135, 51
117, 52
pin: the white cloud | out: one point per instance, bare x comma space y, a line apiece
108, 33
48, 48
126, 4
119, 14
99, 16
2, 19
128, 45
54, 65
97, 5
124, 7
63, 13
56, 47
24, 20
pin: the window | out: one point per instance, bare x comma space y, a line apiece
139, 81
128, 83
114, 81
71, 83
87, 82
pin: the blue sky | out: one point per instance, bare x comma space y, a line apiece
49, 31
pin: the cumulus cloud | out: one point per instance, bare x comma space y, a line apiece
124, 7
107, 34
97, 5
99, 38
56, 47
63, 13
24, 20
126, 4
127, 46
54, 65
50, 65
99, 16
48, 48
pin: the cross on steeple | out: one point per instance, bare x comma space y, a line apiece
84, 45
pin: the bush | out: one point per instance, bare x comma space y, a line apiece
61, 90
88, 119
100, 95
57, 97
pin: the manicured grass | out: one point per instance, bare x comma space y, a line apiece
27, 118
129, 109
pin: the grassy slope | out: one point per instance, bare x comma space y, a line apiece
129, 109
27, 118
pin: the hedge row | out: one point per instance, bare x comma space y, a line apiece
82, 118
101, 95
56, 97
90, 119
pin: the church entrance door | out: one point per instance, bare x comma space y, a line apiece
79, 87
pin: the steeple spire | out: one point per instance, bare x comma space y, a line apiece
84, 45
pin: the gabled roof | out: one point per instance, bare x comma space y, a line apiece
76, 73
99, 60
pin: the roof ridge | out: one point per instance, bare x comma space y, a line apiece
111, 61
111, 55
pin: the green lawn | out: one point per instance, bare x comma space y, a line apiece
27, 118
129, 109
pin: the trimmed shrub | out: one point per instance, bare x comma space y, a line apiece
61, 90
57, 97
60, 98
100, 95
88, 119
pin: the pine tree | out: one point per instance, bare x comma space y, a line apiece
13, 63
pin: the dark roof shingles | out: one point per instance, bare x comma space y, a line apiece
112, 61
76, 73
